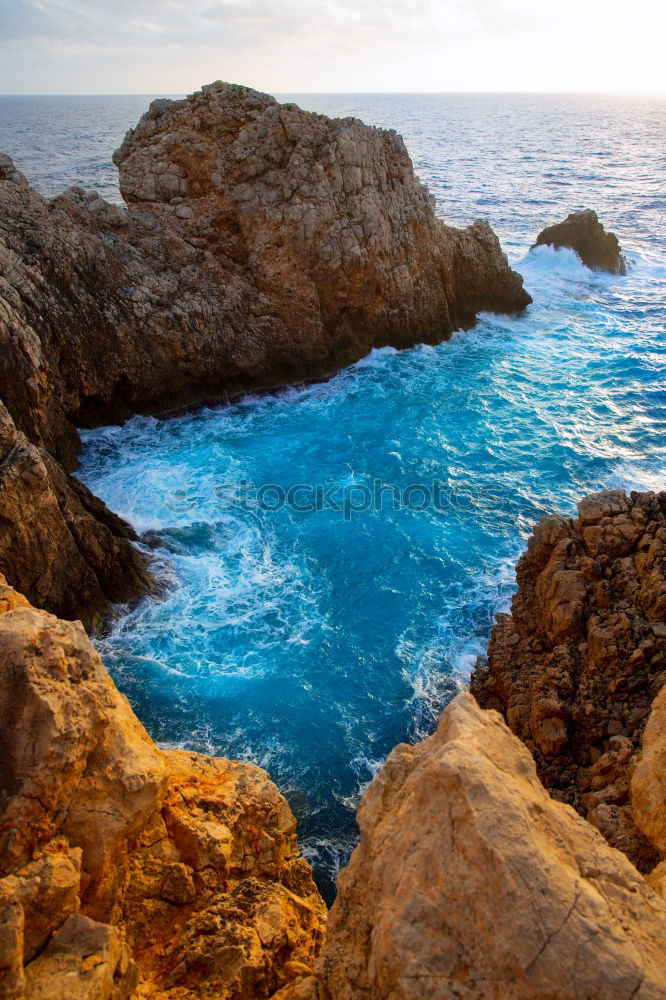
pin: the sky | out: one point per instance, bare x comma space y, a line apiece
304, 46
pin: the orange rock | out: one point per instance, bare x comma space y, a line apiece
471, 882
186, 866
648, 782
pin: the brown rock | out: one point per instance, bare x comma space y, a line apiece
582, 232
86, 960
470, 881
58, 542
12, 977
76, 761
48, 890
186, 867
263, 245
575, 666
657, 879
648, 783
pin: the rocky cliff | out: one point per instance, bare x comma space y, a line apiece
470, 881
263, 245
126, 870
577, 664
70, 552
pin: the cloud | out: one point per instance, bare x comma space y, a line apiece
173, 46
248, 23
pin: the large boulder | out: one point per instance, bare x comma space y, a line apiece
577, 664
120, 861
582, 232
470, 881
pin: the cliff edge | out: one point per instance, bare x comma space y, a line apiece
126, 870
471, 883
576, 666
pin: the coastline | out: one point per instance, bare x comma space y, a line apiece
133, 871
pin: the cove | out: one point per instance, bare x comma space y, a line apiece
311, 642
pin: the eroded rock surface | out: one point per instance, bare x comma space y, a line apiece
59, 541
582, 232
579, 661
648, 782
470, 881
123, 867
263, 245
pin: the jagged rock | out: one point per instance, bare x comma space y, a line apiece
648, 782
12, 976
58, 542
46, 886
324, 217
263, 245
577, 664
471, 882
185, 867
582, 232
85, 960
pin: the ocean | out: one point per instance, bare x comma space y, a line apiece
310, 631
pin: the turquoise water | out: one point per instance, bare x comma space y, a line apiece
313, 640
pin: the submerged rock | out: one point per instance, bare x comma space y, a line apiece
576, 666
263, 245
582, 232
121, 862
471, 882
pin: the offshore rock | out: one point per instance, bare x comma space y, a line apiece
577, 665
582, 232
263, 245
124, 867
470, 881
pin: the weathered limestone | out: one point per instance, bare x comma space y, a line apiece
263, 245
123, 867
577, 664
67, 549
471, 882
648, 782
582, 232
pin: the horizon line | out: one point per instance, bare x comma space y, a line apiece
375, 93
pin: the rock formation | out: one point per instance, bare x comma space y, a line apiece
582, 232
124, 867
577, 664
648, 781
130, 871
263, 245
471, 882
68, 550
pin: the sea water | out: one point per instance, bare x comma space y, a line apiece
312, 630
